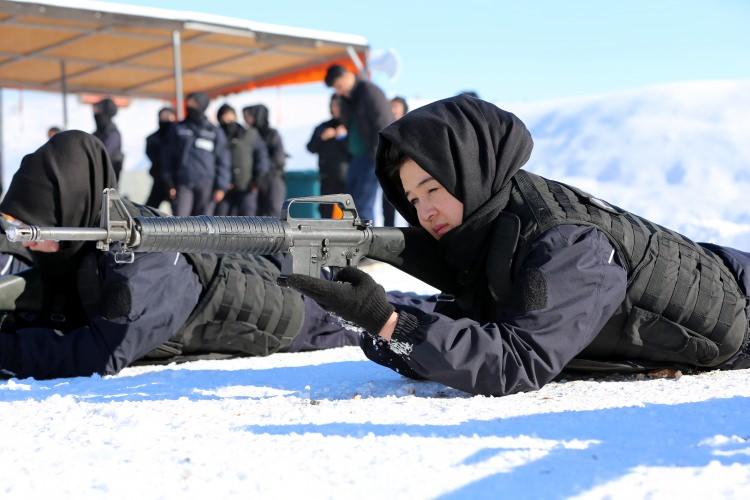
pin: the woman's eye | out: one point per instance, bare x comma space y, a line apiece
414, 201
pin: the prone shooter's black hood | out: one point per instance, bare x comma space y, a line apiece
470, 146
61, 184
473, 148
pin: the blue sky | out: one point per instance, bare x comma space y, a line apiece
509, 50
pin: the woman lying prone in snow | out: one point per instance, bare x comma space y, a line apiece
537, 276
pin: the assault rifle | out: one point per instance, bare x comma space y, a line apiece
305, 244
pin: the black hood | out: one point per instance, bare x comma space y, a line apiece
107, 107
61, 184
105, 110
201, 99
473, 148
223, 109
470, 146
260, 113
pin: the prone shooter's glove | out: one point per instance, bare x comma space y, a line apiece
354, 296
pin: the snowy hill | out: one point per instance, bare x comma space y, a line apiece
678, 154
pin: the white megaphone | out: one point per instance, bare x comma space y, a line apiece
385, 61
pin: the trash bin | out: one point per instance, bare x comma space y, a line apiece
303, 183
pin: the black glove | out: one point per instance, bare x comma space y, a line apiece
354, 296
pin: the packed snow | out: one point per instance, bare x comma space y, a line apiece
332, 424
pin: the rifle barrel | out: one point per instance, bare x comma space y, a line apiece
36, 233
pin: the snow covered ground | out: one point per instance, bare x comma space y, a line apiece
331, 424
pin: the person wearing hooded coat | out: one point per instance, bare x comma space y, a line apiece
155, 145
365, 111
197, 161
98, 316
537, 276
329, 142
107, 132
249, 162
272, 185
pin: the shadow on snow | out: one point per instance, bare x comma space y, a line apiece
652, 435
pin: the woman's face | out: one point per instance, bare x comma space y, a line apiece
437, 209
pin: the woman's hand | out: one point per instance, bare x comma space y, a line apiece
354, 296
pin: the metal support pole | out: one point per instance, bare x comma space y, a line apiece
64, 82
356, 60
1, 141
177, 62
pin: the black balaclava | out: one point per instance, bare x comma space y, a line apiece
61, 184
473, 148
107, 109
196, 115
260, 113
231, 129
165, 126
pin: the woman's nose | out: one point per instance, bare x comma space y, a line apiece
428, 211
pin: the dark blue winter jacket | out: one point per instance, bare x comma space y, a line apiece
197, 154
143, 312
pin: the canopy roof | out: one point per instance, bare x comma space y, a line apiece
117, 49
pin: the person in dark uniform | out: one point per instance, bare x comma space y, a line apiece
197, 161
537, 276
365, 110
328, 141
272, 185
155, 146
97, 316
249, 162
107, 132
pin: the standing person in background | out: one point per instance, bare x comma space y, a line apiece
155, 145
52, 131
249, 162
272, 186
329, 142
197, 161
365, 111
107, 132
399, 108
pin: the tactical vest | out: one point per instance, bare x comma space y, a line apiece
683, 305
241, 310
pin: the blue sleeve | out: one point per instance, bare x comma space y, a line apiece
261, 160
145, 304
579, 284
223, 155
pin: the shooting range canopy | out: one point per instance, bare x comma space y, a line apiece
117, 49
